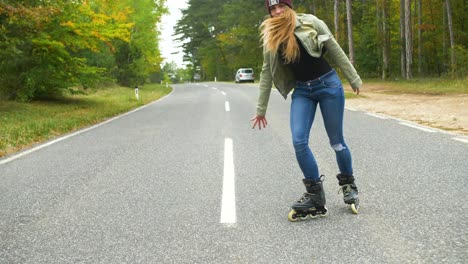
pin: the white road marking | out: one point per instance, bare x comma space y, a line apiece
377, 115
464, 140
223, 93
418, 127
228, 203
227, 107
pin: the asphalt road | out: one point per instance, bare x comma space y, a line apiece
161, 185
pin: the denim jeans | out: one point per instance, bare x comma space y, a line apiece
327, 92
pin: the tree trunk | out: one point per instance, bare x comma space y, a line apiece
337, 19
420, 72
350, 31
380, 33
402, 38
313, 8
444, 34
409, 40
452, 39
386, 40
379, 23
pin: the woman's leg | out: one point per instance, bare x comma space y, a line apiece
332, 108
301, 118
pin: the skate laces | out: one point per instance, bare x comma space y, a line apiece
345, 189
303, 198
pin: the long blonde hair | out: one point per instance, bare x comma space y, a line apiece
278, 32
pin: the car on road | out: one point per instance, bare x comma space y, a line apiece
244, 75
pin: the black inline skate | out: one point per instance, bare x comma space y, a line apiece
350, 191
311, 204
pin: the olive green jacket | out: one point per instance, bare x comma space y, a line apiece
314, 35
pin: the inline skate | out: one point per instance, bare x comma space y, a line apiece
311, 204
349, 190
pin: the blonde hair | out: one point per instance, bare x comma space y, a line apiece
279, 31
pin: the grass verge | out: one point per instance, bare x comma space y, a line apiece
26, 124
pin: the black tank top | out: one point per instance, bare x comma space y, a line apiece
307, 67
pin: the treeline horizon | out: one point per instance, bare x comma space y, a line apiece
391, 39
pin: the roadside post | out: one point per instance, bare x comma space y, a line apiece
137, 96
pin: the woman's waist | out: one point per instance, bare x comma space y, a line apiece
315, 81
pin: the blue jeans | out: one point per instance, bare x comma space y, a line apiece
327, 92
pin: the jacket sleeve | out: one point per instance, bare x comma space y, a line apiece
338, 56
265, 85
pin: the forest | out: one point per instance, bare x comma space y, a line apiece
48, 47
386, 39
51, 47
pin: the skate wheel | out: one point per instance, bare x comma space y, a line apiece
355, 208
322, 212
292, 216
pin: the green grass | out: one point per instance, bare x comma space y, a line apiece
25, 124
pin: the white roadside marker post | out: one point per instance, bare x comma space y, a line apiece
137, 96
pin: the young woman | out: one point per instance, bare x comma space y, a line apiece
293, 48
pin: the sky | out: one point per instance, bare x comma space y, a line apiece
167, 44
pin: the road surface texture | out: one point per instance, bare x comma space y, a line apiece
186, 180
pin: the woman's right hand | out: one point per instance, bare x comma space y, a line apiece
259, 121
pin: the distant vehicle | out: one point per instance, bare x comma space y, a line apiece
245, 75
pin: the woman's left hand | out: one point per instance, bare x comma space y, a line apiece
356, 91
259, 121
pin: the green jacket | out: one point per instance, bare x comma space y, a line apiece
314, 35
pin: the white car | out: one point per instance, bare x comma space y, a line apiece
245, 75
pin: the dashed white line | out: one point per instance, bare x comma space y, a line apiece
227, 107
418, 127
223, 93
228, 202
